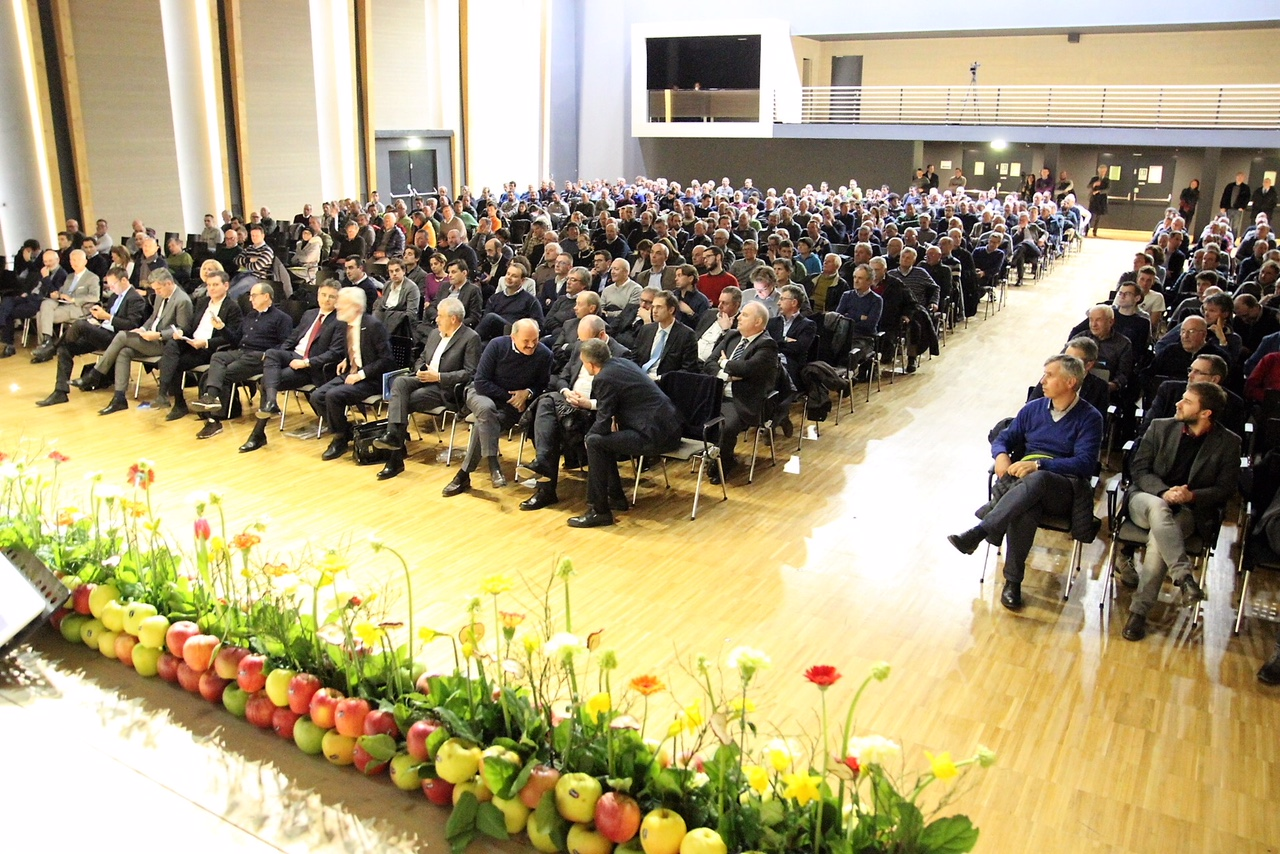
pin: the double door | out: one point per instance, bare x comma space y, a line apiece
1141, 188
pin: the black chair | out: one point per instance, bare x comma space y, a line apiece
697, 398
1258, 486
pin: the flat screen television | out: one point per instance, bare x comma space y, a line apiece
703, 62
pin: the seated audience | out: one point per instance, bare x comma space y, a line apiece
746, 358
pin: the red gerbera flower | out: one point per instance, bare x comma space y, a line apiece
822, 675
852, 762
141, 475
58, 457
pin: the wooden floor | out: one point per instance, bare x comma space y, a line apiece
838, 557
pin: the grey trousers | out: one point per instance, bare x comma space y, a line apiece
492, 417
1017, 514
1166, 546
53, 312
409, 394
121, 352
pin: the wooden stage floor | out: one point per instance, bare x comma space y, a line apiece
838, 557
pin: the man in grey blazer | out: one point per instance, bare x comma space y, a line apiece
172, 308
1184, 471
70, 302
449, 358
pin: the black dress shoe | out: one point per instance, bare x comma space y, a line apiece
1270, 672
8, 351
539, 468
54, 399
788, 429
968, 542
619, 505
267, 411
391, 440
497, 478
713, 473
42, 354
178, 413
209, 430
91, 381
461, 483
1136, 628
117, 404
1011, 596
541, 498
591, 519
393, 467
253, 443
336, 448
1191, 591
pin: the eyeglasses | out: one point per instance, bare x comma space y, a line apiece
1193, 372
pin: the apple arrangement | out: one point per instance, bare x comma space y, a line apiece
198, 651
56, 618
146, 661
90, 630
349, 715
277, 686
107, 643
112, 615
323, 707
212, 685
404, 773
540, 835
382, 722
338, 748
80, 599
542, 779
514, 813
167, 666
99, 596
124, 648
366, 763
476, 787
308, 736
259, 710
251, 675
415, 740
283, 720
439, 792
301, 689
617, 817
662, 831
576, 796
71, 625
188, 678
457, 761
227, 662
703, 840
235, 699
178, 634
584, 839
135, 613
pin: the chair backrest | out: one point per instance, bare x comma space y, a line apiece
696, 397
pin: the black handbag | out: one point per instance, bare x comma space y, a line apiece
362, 441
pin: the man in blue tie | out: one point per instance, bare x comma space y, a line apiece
664, 345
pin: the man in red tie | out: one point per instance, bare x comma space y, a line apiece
317, 344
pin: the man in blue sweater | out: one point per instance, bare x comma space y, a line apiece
514, 369
1056, 438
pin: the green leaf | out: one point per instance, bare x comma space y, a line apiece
562, 735
490, 820
910, 823
523, 777
549, 817
498, 775
954, 834
381, 747
459, 843
463, 818
456, 724
438, 737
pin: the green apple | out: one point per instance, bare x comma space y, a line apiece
703, 840
235, 699
338, 748
308, 737
457, 761
101, 595
135, 613
113, 615
476, 787
662, 831
71, 626
151, 629
540, 837
90, 631
278, 685
404, 772
585, 839
576, 796
146, 660
515, 813
107, 643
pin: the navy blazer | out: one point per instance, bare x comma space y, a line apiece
375, 348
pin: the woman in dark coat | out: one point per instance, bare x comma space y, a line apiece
1099, 186
1187, 201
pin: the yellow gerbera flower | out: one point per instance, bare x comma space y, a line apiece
943, 768
598, 705
493, 585
801, 788
758, 778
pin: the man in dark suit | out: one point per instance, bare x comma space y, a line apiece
368, 357
264, 329
633, 418
126, 310
1184, 472
317, 344
215, 323
514, 369
1204, 369
747, 359
463, 290
562, 415
449, 359
172, 309
665, 345
794, 334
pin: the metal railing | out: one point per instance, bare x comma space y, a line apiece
1254, 106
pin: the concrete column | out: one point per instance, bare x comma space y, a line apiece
26, 197
189, 47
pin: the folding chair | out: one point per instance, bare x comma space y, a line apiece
697, 398
1258, 486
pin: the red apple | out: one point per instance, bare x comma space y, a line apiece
212, 685
541, 780
380, 722
176, 637
323, 707
301, 689
416, 739
251, 675
349, 716
227, 662
365, 763
59, 615
282, 721
439, 792
259, 711
167, 667
189, 679
617, 817
199, 650
80, 599
124, 648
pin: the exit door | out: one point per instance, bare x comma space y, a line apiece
413, 171
1141, 188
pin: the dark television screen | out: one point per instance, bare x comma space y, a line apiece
710, 62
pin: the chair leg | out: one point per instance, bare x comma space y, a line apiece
284, 410
1077, 550
697, 485
1244, 598
1108, 575
520, 449
840, 404
635, 490
755, 446
453, 434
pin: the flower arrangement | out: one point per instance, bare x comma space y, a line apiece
530, 731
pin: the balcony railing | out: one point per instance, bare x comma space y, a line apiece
1228, 106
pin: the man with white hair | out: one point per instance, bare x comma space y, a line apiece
359, 374
746, 358
68, 303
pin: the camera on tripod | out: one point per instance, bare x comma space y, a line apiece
973, 70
